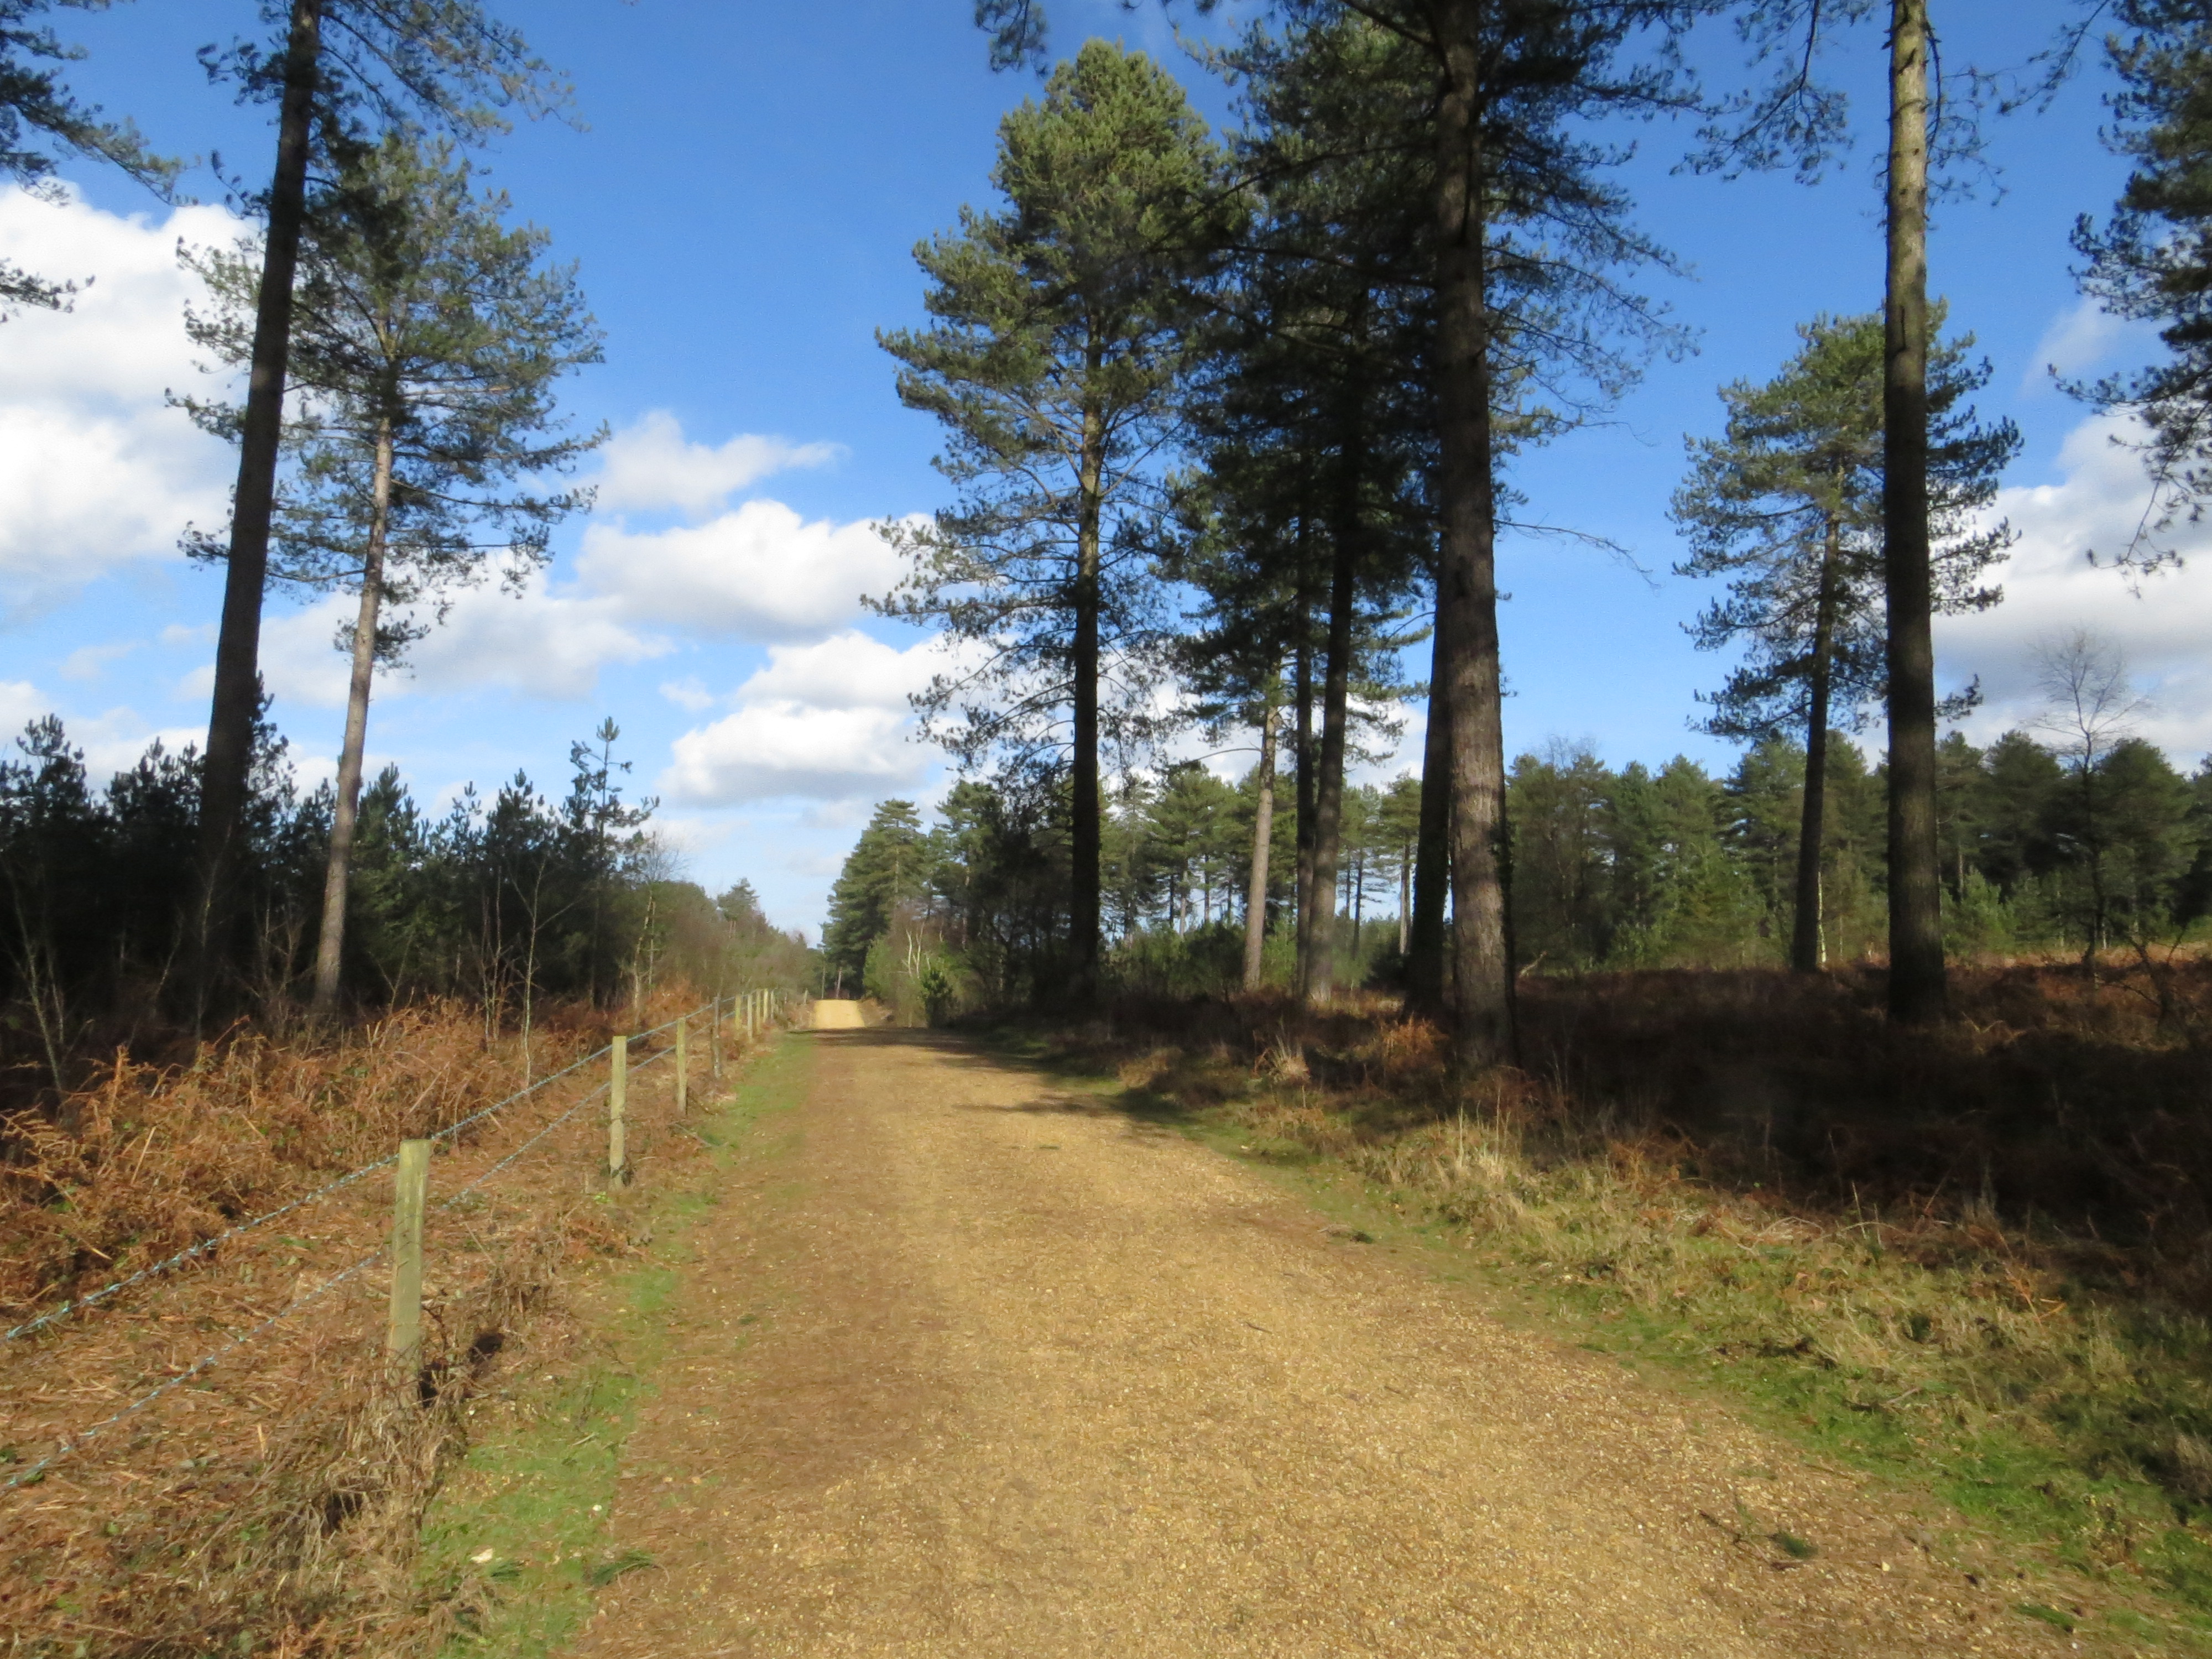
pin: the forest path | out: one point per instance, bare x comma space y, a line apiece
1002, 1370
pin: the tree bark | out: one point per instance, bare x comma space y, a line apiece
1084, 823
1263, 834
1328, 791
1918, 993
1425, 946
236, 703
1405, 898
1808, 950
330, 946
1302, 695
1481, 989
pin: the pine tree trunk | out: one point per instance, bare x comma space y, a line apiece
1328, 793
1481, 989
1084, 823
1916, 989
237, 700
1405, 898
1424, 944
331, 945
1807, 944
1263, 834
1302, 690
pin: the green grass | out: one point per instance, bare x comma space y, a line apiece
534, 1496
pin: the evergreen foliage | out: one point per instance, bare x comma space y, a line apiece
506, 901
1063, 322
2152, 260
39, 115
2045, 849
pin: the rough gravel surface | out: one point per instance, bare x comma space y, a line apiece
988, 1368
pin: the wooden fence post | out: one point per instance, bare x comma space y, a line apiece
715, 1041
617, 1103
410, 1191
682, 1066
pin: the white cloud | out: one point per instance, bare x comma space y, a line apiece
777, 749
757, 572
652, 466
2160, 623
827, 721
688, 693
846, 670
541, 642
20, 702
2079, 340
89, 662
111, 741
99, 474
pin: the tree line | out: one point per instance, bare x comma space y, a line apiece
1230, 423
511, 901
2078, 840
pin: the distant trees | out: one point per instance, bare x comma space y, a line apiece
2152, 260
426, 341
508, 900
1786, 505
2075, 847
1063, 322
891, 864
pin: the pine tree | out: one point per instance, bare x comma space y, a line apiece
445, 63
1063, 329
2153, 261
1787, 505
428, 337
1327, 370
1800, 121
1526, 248
891, 863
39, 115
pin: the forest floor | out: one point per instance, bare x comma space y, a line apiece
966, 1357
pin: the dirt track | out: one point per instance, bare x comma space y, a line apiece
1035, 1379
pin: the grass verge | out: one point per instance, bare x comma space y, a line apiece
2061, 1413
516, 1546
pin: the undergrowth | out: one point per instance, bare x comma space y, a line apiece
1875, 1238
272, 1503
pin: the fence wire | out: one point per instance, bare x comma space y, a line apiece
54, 1315
65, 1448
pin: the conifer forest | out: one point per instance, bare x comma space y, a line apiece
640, 1067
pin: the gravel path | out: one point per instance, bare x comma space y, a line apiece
1021, 1376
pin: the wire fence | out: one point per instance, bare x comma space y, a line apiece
55, 1316
75, 1442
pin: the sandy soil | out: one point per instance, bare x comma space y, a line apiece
834, 1014
1030, 1378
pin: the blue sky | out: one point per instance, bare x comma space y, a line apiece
742, 191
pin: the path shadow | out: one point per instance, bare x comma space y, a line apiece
1086, 1092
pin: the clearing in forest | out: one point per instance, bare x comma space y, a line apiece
978, 1364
